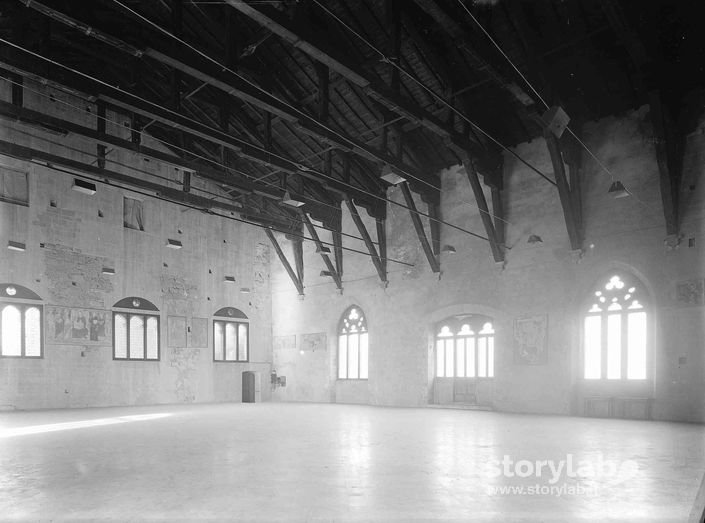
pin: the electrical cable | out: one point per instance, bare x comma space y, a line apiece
254, 85
207, 211
142, 171
541, 99
225, 68
386, 59
85, 75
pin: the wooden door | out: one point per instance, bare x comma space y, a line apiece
248, 387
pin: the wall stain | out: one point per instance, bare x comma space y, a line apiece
184, 361
76, 278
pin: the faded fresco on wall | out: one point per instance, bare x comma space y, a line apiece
530, 340
176, 331
284, 342
71, 325
313, 342
184, 361
691, 292
198, 333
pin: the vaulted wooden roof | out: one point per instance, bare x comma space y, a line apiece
317, 97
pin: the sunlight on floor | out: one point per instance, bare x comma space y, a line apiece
53, 427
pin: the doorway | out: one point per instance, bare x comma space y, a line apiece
248, 387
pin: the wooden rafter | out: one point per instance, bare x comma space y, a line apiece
571, 213
296, 279
322, 249
495, 245
325, 53
418, 226
191, 63
668, 140
668, 160
376, 260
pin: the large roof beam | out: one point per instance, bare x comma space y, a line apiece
326, 54
187, 60
24, 63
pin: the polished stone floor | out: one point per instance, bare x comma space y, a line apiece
311, 462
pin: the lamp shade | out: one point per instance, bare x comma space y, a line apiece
617, 190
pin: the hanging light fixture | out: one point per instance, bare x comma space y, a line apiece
534, 238
448, 249
287, 199
389, 176
617, 190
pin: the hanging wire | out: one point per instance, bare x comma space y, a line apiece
384, 58
208, 211
323, 175
215, 196
538, 95
175, 147
254, 85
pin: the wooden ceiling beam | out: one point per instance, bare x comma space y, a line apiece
571, 212
418, 226
376, 260
23, 63
669, 161
495, 246
324, 53
296, 279
322, 249
668, 139
193, 64
456, 32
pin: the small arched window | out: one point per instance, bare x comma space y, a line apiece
465, 347
135, 330
352, 345
21, 314
231, 335
615, 331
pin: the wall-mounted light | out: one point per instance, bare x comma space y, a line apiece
617, 190
290, 201
173, 244
245, 290
389, 176
534, 238
108, 270
448, 249
16, 246
229, 279
83, 186
326, 273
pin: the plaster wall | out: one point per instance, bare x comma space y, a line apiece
71, 236
537, 279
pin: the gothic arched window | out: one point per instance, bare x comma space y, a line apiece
352, 345
615, 331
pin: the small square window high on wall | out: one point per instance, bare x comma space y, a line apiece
133, 217
14, 186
